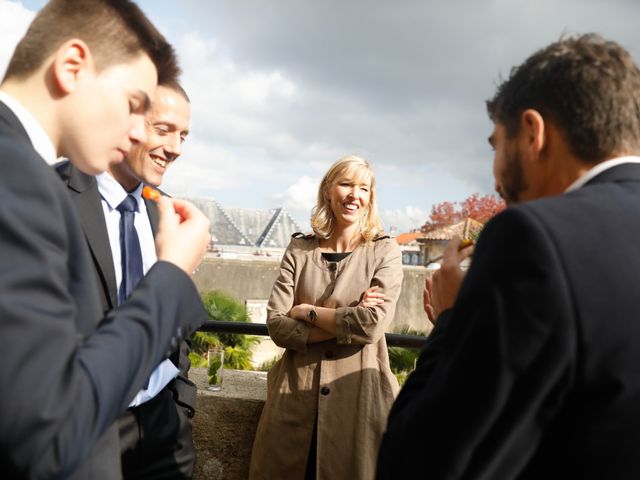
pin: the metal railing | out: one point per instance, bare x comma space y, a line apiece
260, 329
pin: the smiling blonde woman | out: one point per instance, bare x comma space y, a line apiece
329, 395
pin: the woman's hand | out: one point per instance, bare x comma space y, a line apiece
371, 297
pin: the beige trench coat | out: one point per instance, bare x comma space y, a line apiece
346, 382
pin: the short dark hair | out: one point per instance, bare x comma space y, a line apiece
589, 87
114, 30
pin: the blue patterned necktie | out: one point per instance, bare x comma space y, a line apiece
130, 252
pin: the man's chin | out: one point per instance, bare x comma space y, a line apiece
90, 168
152, 180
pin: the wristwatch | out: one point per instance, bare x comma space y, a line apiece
312, 315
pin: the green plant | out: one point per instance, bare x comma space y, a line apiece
237, 358
221, 306
197, 360
202, 341
402, 360
402, 376
266, 366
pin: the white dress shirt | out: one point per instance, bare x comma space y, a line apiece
599, 168
39, 138
112, 194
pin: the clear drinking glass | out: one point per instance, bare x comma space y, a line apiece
215, 368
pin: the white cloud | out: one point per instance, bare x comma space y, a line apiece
14, 21
301, 195
222, 86
228, 150
242, 141
401, 220
299, 198
206, 169
280, 90
255, 88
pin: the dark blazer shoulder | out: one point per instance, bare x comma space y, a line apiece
75, 179
12, 130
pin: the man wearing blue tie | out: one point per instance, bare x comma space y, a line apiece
155, 431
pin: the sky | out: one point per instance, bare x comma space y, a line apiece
280, 89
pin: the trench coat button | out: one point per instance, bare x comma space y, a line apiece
328, 354
332, 267
325, 391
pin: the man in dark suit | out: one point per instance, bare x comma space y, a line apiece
155, 431
531, 371
78, 86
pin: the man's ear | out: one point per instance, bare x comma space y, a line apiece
72, 62
534, 131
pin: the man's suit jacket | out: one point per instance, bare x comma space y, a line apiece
86, 197
67, 370
535, 372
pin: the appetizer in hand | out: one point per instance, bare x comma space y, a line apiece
150, 193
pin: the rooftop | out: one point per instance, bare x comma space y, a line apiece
248, 227
468, 228
408, 238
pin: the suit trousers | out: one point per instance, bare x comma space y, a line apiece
156, 441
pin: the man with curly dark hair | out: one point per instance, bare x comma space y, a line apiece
531, 370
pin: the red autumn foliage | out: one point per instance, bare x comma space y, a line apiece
481, 207
476, 206
442, 214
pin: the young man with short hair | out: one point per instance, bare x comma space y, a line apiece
78, 86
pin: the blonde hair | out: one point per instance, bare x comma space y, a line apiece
355, 169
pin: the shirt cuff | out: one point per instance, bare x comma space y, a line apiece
343, 328
298, 335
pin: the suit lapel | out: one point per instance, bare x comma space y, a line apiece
152, 213
89, 206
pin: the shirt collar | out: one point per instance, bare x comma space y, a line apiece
599, 168
38, 137
113, 193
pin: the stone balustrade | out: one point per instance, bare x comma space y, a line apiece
225, 423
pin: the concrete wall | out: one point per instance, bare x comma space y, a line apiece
225, 423
253, 279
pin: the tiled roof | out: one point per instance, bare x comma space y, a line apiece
408, 238
468, 228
